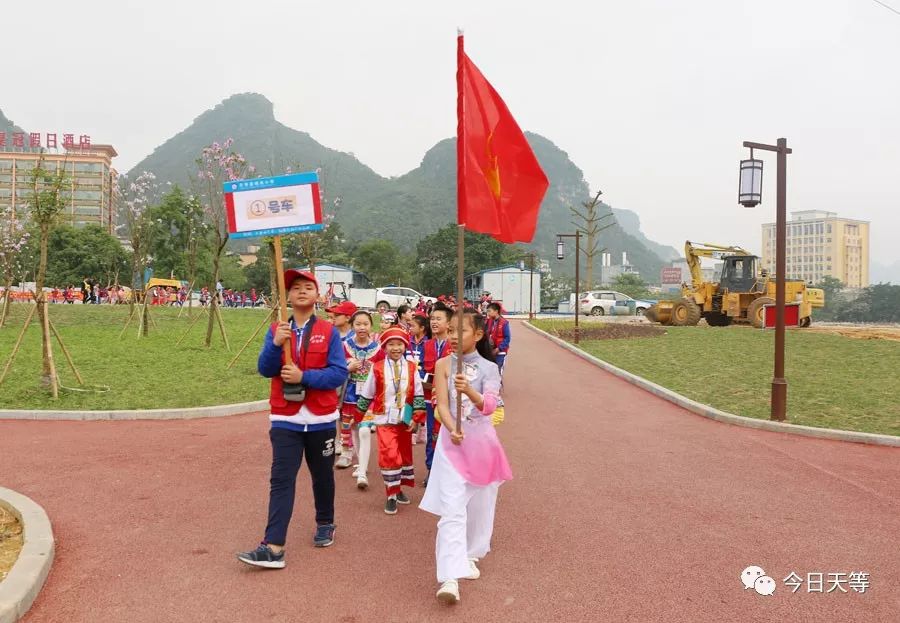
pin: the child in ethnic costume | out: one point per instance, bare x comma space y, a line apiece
393, 396
356, 430
419, 333
469, 464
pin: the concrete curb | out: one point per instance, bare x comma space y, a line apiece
722, 416
186, 413
26, 578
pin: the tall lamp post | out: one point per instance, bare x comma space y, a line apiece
749, 196
532, 259
560, 254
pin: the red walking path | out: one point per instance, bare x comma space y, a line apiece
624, 508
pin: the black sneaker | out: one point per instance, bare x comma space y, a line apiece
390, 506
262, 556
324, 535
402, 499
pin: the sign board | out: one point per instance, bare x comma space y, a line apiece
30, 140
270, 206
791, 315
670, 276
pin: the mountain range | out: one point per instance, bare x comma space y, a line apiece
403, 209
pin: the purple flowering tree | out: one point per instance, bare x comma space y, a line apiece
134, 196
218, 163
13, 237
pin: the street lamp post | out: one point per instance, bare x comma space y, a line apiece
560, 255
750, 195
531, 256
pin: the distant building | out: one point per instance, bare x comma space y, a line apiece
507, 284
89, 187
821, 244
608, 272
337, 273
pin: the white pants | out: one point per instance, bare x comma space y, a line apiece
362, 443
464, 530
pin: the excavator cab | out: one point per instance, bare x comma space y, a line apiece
739, 273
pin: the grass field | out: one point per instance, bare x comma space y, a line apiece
146, 373
833, 381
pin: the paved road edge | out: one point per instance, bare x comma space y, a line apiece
723, 416
138, 414
26, 578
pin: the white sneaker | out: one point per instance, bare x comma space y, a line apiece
362, 482
449, 592
355, 472
476, 573
343, 462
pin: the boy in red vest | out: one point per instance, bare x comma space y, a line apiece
393, 395
497, 330
436, 348
304, 411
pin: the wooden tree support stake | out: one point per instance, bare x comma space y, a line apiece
191, 326
264, 323
66, 353
18, 343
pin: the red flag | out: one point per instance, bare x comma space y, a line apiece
500, 184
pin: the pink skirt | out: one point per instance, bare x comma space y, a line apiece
480, 458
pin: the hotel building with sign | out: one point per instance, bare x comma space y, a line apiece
821, 244
89, 181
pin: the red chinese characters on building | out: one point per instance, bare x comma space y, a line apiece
51, 140
68, 141
2, 139
18, 139
84, 141
34, 139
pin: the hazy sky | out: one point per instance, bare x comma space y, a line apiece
651, 98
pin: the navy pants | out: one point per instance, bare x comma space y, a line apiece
288, 449
429, 433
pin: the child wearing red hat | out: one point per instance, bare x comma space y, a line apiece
393, 395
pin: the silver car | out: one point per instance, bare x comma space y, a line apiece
601, 303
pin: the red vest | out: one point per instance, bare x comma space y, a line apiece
318, 401
377, 406
431, 357
494, 329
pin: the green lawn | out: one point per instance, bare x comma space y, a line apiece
833, 381
147, 373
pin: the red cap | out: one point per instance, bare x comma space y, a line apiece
344, 308
293, 274
394, 333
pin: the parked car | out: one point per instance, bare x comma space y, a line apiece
602, 302
380, 299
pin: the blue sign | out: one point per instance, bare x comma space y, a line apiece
278, 231
292, 179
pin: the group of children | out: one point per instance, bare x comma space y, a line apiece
395, 382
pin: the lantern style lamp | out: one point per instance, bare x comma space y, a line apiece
559, 249
750, 185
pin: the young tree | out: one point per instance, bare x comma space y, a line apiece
436, 257
589, 221
632, 285
181, 236
45, 202
383, 262
136, 196
13, 238
217, 164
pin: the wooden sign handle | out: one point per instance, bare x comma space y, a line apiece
282, 293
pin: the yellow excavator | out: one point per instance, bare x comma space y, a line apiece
741, 294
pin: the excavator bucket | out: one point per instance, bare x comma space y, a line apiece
661, 313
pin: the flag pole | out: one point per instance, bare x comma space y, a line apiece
461, 212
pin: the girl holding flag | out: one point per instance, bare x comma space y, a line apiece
469, 462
